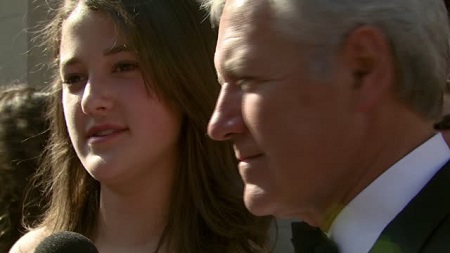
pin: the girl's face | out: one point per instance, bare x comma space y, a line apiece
119, 129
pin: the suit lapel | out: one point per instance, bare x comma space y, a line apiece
411, 228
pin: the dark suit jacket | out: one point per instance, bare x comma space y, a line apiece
424, 224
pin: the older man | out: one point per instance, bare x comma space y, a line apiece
330, 106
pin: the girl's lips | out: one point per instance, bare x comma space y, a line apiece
104, 132
103, 129
105, 136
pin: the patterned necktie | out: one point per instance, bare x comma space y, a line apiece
308, 239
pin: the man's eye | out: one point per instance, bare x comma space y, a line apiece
243, 83
125, 67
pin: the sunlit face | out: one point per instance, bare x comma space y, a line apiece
294, 136
119, 129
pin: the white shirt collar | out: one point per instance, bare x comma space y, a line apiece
359, 224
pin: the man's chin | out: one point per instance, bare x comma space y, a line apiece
258, 201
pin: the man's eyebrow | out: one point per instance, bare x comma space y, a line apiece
116, 50
236, 63
219, 78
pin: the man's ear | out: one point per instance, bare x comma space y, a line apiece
368, 53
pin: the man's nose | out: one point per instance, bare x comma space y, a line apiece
226, 120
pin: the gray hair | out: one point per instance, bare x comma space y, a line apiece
417, 30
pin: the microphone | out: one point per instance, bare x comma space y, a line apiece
66, 242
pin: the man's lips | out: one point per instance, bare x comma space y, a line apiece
244, 158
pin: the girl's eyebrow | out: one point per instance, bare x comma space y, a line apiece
106, 52
116, 50
68, 62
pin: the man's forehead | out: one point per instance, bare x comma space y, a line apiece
239, 3
244, 11
243, 23
241, 17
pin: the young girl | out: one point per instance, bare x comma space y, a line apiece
129, 165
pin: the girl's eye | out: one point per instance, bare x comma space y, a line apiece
72, 79
125, 67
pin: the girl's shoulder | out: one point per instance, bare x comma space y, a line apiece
28, 242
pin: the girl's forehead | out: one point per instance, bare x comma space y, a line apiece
78, 13
87, 34
90, 23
